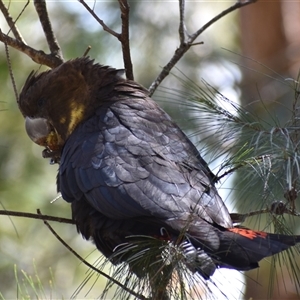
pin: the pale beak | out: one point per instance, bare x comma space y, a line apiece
37, 129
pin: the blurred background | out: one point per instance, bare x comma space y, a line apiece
251, 56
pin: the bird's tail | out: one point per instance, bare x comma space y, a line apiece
240, 249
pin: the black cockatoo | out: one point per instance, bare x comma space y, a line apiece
128, 170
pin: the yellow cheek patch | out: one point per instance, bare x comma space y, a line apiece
53, 141
62, 120
76, 115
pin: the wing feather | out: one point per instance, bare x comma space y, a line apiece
130, 160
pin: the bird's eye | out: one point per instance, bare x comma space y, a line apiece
41, 102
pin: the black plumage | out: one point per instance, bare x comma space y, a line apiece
127, 169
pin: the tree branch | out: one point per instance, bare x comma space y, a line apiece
276, 208
45, 218
237, 5
11, 23
101, 22
185, 45
36, 216
41, 9
138, 296
38, 56
182, 28
12, 78
124, 38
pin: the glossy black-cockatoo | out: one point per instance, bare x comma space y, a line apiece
128, 170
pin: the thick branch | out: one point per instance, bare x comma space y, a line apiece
124, 38
38, 56
185, 45
41, 9
11, 22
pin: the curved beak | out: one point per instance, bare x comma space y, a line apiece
38, 130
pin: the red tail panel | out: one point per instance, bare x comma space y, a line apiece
248, 233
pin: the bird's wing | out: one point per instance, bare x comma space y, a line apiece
130, 160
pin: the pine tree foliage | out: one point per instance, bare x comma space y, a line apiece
262, 154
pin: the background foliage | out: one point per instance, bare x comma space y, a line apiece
265, 32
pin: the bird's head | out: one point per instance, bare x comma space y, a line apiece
56, 101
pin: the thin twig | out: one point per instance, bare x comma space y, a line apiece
21, 12
138, 296
277, 208
36, 216
292, 193
101, 22
237, 5
41, 9
38, 56
182, 28
185, 45
217, 178
11, 23
124, 38
240, 218
87, 51
12, 78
